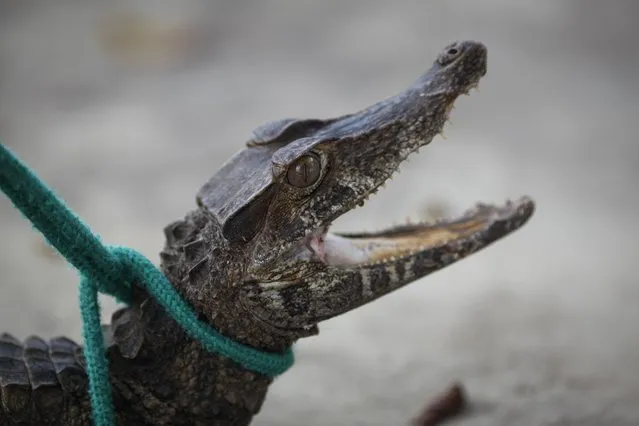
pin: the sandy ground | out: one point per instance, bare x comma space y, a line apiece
127, 116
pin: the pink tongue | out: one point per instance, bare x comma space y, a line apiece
317, 245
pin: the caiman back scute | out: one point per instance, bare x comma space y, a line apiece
37, 378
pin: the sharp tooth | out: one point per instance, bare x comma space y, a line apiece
443, 135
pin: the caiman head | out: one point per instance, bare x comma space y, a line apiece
276, 199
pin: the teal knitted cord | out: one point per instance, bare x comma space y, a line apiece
112, 270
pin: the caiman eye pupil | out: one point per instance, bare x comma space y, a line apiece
452, 52
305, 171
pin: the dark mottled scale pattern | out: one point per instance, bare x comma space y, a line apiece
170, 262
400, 269
46, 393
128, 331
176, 232
380, 281
426, 263
294, 304
14, 380
168, 257
36, 379
186, 255
195, 250
181, 244
68, 367
199, 271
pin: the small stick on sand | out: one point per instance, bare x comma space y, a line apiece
443, 407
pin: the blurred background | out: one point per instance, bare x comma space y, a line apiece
127, 107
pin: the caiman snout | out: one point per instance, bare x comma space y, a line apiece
458, 68
470, 49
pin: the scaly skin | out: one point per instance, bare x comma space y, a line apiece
256, 261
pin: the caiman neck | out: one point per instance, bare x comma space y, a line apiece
162, 376
153, 360
207, 271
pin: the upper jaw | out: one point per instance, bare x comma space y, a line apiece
439, 89
369, 146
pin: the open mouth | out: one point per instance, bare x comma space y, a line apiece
459, 236
475, 228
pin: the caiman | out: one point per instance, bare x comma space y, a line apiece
256, 259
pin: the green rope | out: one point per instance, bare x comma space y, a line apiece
111, 270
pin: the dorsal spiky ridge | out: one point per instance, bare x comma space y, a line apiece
35, 378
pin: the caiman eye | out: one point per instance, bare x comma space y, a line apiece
449, 54
305, 171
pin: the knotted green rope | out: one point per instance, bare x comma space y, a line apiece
112, 270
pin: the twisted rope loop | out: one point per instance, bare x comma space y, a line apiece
113, 270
